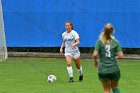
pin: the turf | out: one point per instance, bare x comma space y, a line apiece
29, 75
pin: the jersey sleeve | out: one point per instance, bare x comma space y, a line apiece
118, 47
97, 45
63, 37
76, 35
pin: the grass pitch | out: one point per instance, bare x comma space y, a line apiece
29, 75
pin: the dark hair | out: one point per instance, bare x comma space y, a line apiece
70, 24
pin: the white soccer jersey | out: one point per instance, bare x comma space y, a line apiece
69, 38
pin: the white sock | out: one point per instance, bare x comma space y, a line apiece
70, 71
80, 71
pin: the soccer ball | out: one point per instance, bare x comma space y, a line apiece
51, 78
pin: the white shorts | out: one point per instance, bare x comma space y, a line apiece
74, 55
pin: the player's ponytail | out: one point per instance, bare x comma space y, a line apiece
106, 35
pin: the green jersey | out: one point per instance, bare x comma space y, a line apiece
107, 56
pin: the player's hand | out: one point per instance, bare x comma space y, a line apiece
61, 50
72, 45
96, 64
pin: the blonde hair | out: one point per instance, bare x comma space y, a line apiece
106, 35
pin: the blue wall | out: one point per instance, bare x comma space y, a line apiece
40, 23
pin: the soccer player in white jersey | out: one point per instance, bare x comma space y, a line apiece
70, 42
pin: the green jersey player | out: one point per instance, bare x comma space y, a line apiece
107, 48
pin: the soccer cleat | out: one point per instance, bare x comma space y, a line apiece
80, 77
71, 79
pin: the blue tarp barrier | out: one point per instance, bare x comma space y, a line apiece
40, 23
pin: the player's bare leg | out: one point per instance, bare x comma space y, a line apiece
114, 86
79, 68
106, 86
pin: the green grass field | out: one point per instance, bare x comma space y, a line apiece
29, 75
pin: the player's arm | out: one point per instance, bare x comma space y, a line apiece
120, 54
95, 57
119, 51
96, 53
77, 42
62, 46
